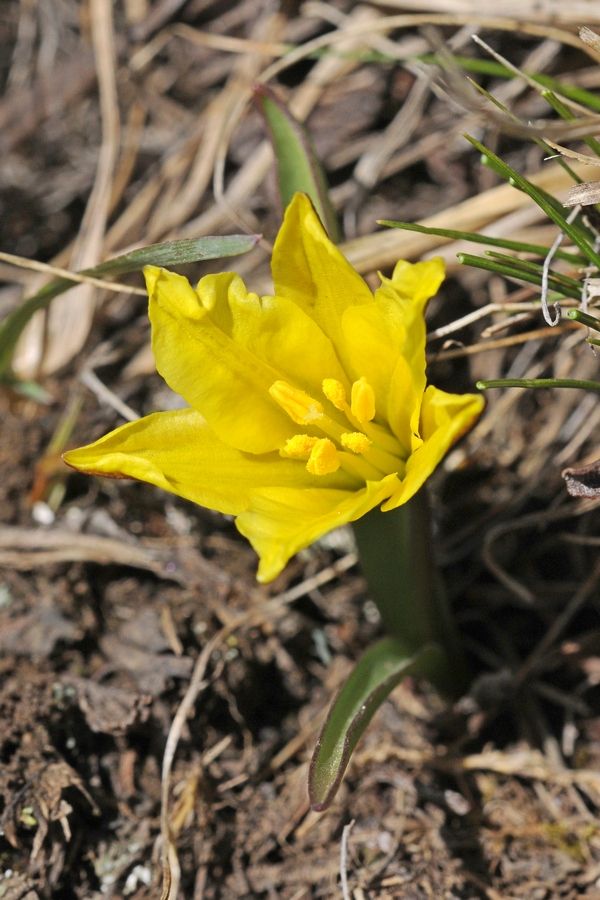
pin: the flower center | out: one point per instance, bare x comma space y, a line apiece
374, 451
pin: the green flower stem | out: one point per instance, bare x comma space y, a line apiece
396, 553
579, 316
539, 383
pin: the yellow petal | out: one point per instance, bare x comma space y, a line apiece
385, 341
402, 299
214, 374
274, 329
405, 395
407, 291
444, 419
372, 349
280, 522
221, 348
178, 451
310, 270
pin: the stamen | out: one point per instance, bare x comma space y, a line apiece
299, 406
362, 402
335, 393
324, 458
355, 441
300, 446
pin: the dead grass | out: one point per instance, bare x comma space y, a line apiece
121, 133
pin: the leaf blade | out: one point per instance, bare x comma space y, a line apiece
376, 674
171, 253
298, 166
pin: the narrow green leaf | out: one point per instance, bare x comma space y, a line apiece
539, 383
496, 69
298, 166
377, 673
171, 253
569, 116
547, 204
529, 265
514, 271
579, 316
518, 246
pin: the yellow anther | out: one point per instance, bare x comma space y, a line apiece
300, 446
363, 400
299, 406
334, 391
355, 441
324, 458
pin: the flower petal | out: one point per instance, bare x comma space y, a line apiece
444, 419
178, 451
274, 329
402, 300
372, 350
221, 379
281, 521
310, 270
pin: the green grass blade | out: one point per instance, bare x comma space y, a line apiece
539, 383
298, 166
549, 205
518, 246
514, 271
569, 116
171, 253
578, 315
531, 266
377, 673
497, 70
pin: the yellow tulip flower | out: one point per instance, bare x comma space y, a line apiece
306, 409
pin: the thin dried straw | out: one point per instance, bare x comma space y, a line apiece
70, 316
57, 271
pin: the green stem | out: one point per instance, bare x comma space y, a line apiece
584, 319
539, 383
396, 553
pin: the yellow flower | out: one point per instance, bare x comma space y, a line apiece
307, 409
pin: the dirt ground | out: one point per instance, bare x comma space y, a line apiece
110, 591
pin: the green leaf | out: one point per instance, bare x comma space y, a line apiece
298, 166
513, 270
584, 318
539, 383
518, 246
548, 204
569, 116
171, 253
534, 267
377, 673
496, 69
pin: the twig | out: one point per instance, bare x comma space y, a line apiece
546, 270
344, 859
91, 381
481, 313
511, 341
24, 263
